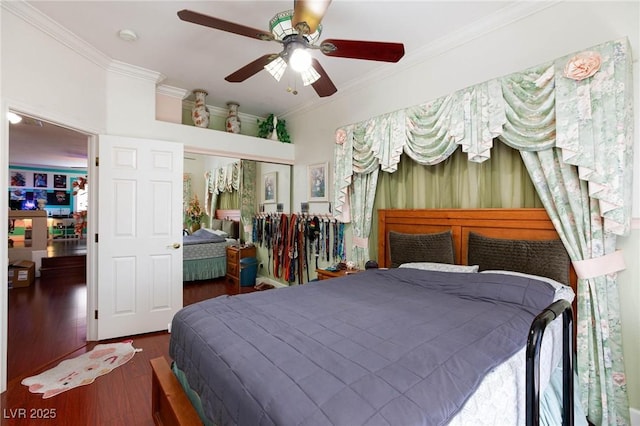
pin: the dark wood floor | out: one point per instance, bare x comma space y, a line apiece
47, 323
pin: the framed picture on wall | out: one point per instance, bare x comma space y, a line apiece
317, 185
18, 179
40, 194
18, 194
270, 181
40, 180
60, 181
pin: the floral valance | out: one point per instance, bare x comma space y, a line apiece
581, 103
221, 179
224, 179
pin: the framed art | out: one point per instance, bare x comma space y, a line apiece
60, 181
39, 194
40, 180
317, 175
18, 179
270, 181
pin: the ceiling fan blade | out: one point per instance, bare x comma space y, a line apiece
309, 11
370, 50
250, 69
220, 24
323, 86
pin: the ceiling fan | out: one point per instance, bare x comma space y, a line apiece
298, 30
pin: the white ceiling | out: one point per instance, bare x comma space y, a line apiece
192, 56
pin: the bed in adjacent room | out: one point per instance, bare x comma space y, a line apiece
204, 255
433, 341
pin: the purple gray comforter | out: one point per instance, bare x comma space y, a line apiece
201, 237
381, 347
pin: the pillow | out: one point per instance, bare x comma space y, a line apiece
545, 258
443, 267
562, 291
216, 224
218, 232
407, 248
229, 227
200, 233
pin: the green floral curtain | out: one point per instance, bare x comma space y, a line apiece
248, 197
186, 195
581, 104
577, 218
585, 185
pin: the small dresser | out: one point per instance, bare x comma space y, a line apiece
234, 254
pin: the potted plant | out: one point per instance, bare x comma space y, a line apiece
194, 214
266, 129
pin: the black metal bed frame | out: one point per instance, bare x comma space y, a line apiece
534, 342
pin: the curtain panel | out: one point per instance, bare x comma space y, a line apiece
248, 197
579, 106
577, 219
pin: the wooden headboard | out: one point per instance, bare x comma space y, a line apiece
524, 224
233, 215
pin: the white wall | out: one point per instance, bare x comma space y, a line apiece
491, 52
42, 77
283, 189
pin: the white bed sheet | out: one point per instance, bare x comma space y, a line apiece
492, 403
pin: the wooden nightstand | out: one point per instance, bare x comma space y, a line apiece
323, 274
234, 254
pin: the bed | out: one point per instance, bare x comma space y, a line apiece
360, 349
204, 255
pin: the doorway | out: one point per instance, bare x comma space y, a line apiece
46, 164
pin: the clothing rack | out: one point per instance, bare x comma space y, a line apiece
294, 240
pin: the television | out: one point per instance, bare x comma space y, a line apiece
29, 205
58, 198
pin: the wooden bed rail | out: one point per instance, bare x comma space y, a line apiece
169, 403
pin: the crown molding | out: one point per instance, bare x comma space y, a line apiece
42, 22
171, 91
135, 71
37, 19
501, 18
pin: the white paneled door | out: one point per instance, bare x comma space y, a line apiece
139, 235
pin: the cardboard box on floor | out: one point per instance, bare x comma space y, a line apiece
22, 273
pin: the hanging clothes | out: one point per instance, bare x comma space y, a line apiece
292, 240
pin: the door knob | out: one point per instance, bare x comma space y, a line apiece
176, 245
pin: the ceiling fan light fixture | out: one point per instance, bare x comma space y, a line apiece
309, 76
300, 60
308, 14
281, 26
276, 68
13, 117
